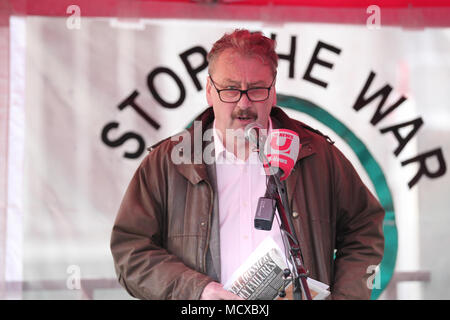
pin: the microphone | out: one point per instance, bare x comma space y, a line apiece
280, 147
254, 132
280, 151
265, 211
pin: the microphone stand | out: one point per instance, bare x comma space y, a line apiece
299, 274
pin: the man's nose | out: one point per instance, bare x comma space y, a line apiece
244, 102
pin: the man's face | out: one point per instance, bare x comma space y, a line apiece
234, 71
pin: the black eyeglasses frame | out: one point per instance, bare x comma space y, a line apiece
243, 91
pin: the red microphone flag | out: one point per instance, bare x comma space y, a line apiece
282, 147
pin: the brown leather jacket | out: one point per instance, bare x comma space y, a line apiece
165, 237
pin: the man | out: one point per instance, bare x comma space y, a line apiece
184, 227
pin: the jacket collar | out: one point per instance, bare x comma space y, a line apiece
197, 172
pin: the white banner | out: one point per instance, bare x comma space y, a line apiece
98, 94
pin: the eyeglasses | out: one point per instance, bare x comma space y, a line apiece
234, 95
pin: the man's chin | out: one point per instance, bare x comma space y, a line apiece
239, 124
236, 131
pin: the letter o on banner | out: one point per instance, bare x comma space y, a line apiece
161, 101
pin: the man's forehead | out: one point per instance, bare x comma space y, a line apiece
229, 69
236, 81
233, 56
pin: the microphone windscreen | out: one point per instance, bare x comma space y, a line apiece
282, 147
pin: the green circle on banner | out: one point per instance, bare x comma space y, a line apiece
375, 174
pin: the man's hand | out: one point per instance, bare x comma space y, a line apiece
215, 291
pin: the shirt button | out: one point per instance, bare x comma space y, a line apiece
203, 223
295, 214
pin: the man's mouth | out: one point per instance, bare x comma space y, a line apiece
245, 118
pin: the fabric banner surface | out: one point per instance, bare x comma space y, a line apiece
98, 95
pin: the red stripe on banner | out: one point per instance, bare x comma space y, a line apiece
342, 4
418, 14
407, 13
108, 7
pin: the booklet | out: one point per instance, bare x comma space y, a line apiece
260, 277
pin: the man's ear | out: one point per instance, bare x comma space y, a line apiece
209, 90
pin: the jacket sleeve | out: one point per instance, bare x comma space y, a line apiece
359, 232
144, 268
